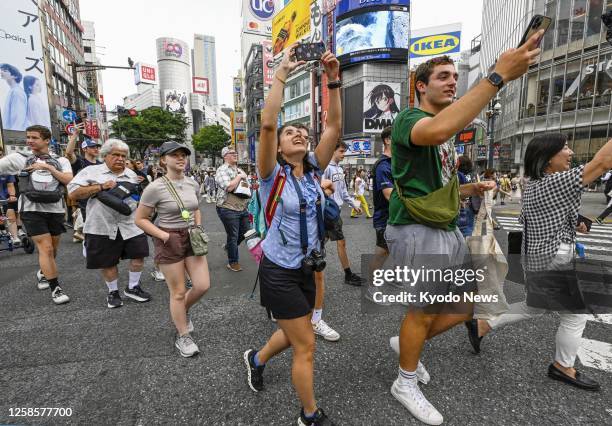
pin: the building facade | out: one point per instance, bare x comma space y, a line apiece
252, 98
204, 64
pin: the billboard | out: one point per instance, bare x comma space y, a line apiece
345, 6
435, 41
173, 49
358, 147
379, 32
200, 85
145, 73
268, 62
176, 100
290, 25
380, 105
237, 94
257, 15
23, 86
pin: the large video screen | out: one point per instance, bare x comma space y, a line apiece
377, 33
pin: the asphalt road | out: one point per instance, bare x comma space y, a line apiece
120, 366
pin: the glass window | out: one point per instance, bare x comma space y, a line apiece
603, 86
587, 85
549, 37
557, 88
598, 139
543, 92
578, 19
594, 17
564, 22
581, 145
572, 82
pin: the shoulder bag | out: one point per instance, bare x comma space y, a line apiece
197, 236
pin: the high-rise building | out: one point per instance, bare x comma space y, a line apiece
95, 106
204, 66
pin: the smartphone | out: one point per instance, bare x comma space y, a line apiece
588, 222
537, 23
309, 51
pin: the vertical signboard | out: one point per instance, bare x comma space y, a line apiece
316, 21
268, 62
145, 74
237, 94
23, 87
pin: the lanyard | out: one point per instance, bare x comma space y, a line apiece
303, 225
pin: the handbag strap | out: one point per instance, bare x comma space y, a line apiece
176, 197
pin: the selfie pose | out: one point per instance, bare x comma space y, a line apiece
292, 248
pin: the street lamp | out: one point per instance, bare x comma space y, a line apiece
492, 113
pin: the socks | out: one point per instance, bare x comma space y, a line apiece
310, 416
406, 378
256, 360
134, 279
53, 283
348, 272
316, 315
112, 286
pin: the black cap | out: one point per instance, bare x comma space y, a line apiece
171, 146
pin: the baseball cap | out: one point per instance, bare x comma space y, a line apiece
227, 150
172, 146
88, 143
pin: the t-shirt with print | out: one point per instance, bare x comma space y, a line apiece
382, 180
282, 242
418, 170
157, 196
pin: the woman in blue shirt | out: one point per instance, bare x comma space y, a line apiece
287, 287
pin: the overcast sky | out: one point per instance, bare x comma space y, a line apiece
129, 28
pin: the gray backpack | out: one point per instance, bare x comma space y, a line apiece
40, 186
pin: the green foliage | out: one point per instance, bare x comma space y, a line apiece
152, 127
210, 140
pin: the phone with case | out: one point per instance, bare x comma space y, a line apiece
309, 51
537, 23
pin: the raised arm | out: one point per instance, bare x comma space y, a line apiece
329, 138
72, 143
512, 64
268, 142
601, 163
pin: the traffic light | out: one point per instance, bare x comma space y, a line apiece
124, 112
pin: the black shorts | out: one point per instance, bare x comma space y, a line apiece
102, 252
38, 223
380, 239
287, 293
336, 233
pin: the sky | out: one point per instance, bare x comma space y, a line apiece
129, 28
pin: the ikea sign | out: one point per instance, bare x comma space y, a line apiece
435, 45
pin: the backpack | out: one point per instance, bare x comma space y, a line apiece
40, 186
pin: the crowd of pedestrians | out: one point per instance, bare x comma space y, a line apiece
425, 201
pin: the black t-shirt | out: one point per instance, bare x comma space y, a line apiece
382, 179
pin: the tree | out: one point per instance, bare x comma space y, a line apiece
151, 127
210, 140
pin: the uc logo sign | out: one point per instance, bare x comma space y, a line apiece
263, 9
434, 45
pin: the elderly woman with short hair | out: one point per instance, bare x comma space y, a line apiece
110, 233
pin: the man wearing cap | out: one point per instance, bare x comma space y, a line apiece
91, 150
110, 234
232, 208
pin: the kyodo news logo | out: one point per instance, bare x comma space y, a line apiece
173, 49
263, 9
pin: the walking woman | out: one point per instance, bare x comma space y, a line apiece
173, 250
293, 239
549, 214
360, 187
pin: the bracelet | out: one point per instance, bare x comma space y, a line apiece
336, 84
101, 187
280, 79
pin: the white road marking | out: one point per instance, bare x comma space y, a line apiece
596, 354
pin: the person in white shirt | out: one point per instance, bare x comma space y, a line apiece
360, 187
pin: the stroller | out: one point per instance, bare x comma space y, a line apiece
6, 239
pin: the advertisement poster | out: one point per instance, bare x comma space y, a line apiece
145, 74
257, 15
268, 62
200, 85
290, 25
174, 49
381, 103
237, 94
23, 88
176, 100
435, 41
358, 147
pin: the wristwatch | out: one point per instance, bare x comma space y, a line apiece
336, 84
496, 80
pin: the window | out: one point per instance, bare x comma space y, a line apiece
572, 82
594, 18
551, 10
587, 85
564, 22
598, 139
557, 88
581, 145
603, 85
578, 20
543, 91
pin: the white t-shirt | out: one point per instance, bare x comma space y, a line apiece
359, 186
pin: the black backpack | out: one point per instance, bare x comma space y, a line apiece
40, 186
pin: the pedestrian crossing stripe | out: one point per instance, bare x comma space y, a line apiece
596, 354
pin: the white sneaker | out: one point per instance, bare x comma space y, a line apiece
186, 346
21, 233
157, 276
59, 297
422, 374
43, 284
322, 329
413, 399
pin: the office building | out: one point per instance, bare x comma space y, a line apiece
204, 65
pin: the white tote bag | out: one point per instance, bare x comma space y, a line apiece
488, 256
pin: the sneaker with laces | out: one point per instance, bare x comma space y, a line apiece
413, 399
21, 232
43, 284
325, 331
234, 267
157, 276
254, 374
59, 297
319, 419
422, 374
113, 300
354, 280
137, 294
186, 346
